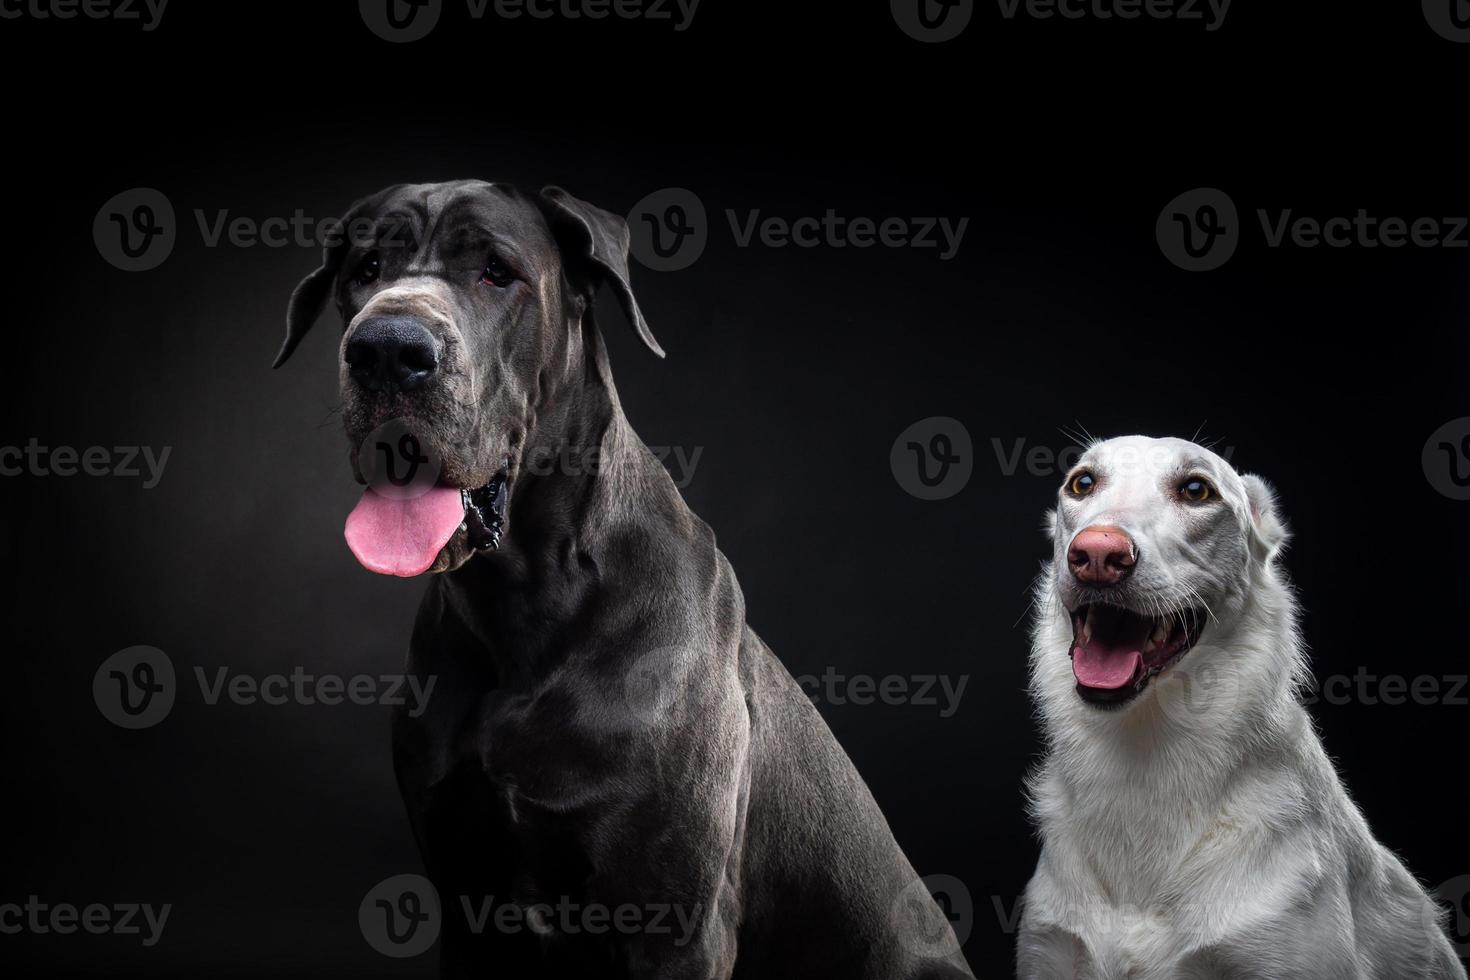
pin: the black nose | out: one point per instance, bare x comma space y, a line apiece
391, 354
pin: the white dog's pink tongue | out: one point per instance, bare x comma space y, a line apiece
1107, 667
403, 537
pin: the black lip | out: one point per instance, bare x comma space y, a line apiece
484, 512
1192, 620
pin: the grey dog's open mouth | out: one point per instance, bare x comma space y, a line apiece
1116, 652
484, 512
406, 531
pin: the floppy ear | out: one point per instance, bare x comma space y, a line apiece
309, 299
1269, 531
600, 238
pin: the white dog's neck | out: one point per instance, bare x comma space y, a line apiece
1134, 791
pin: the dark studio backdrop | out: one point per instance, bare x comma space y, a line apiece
791, 373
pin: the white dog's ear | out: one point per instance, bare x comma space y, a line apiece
1269, 530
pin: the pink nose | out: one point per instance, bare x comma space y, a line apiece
1102, 555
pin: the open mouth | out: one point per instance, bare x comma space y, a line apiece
403, 534
1116, 652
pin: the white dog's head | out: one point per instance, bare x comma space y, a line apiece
1157, 542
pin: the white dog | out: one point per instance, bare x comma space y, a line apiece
1192, 825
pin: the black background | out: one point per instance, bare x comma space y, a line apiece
792, 369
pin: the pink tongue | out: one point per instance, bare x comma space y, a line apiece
1109, 668
402, 537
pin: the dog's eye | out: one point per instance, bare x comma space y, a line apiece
1081, 484
367, 269
497, 273
1196, 491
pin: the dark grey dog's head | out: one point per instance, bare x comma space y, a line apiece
463, 307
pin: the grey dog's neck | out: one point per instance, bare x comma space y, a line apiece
571, 537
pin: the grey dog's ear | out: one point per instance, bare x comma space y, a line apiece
586, 232
310, 297
1269, 530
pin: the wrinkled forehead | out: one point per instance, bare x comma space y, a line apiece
450, 219
1139, 460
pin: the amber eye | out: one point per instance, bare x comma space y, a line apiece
1081, 484
367, 269
1196, 490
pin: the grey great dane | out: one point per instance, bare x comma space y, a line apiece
615, 777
